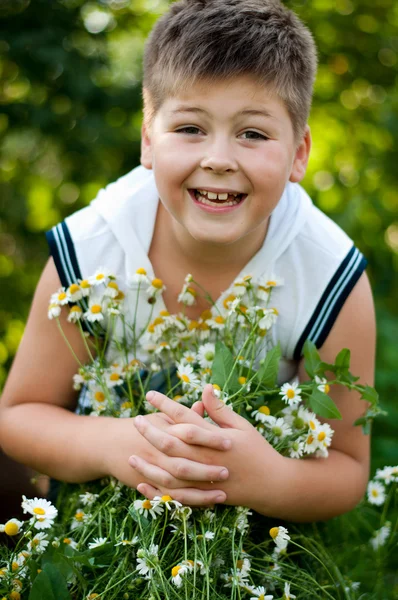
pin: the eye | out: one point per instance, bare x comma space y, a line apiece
189, 129
254, 135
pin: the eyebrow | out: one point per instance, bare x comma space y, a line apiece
247, 112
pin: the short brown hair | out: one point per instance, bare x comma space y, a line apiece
218, 39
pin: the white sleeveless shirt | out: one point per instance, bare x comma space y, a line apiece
316, 259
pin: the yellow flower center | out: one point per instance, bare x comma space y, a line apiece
74, 288
99, 396
177, 397
67, 540
92, 596
15, 595
3, 572
216, 387
192, 291
113, 285
228, 300
175, 570
120, 296
271, 283
61, 296
126, 405
275, 311
290, 393
185, 378
35, 542
100, 276
264, 410
239, 564
262, 332
157, 321
157, 283
242, 380
39, 511
219, 320
114, 377
321, 436
95, 309
147, 504
263, 289
76, 309
310, 439
243, 308
11, 528
206, 314
79, 516
274, 532
203, 327
164, 313
14, 566
312, 425
327, 388
141, 271
166, 498
375, 493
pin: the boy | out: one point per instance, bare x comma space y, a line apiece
227, 92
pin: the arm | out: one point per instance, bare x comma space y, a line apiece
298, 490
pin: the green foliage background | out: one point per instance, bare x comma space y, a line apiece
70, 116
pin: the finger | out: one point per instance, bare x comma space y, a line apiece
178, 412
194, 435
173, 445
187, 496
199, 408
179, 472
222, 414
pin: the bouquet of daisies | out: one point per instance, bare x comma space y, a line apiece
104, 540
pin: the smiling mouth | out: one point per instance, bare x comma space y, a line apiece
219, 199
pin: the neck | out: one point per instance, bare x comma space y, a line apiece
201, 256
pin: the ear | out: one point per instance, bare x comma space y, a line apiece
146, 148
301, 158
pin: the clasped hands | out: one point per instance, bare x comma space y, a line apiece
199, 463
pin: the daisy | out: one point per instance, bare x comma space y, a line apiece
74, 292
60, 297
290, 393
100, 541
101, 275
114, 376
296, 449
286, 593
140, 276
280, 536
145, 560
42, 510
85, 287
70, 542
206, 355
311, 443
323, 384
188, 357
324, 435
75, 314
145, 507
269, 317
167, 501
112, 290
38, 543
79, 518
54, 310
376, 493
163, 347
177, 573
217, 323
387, 474
262, 414
240, 286
12, 527
187, 295
187, 376
94, 312
131, 542
260, 594
380, 536
88, 498
280, 429
156, 287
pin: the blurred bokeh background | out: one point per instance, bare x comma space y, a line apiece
70, 117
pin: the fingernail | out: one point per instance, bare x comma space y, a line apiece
150, 396
132, 461
138, 420
226, 444
221, 498
224, 474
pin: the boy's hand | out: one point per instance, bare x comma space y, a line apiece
192, 444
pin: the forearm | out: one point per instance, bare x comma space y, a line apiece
314, 489
56, 442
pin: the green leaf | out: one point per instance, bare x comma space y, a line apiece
370, 395
268, 371
343, 360
49, 585
323, 405
312, 359
222, 367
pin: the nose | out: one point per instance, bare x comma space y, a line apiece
219, 157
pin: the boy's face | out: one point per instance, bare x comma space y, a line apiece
232, 137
